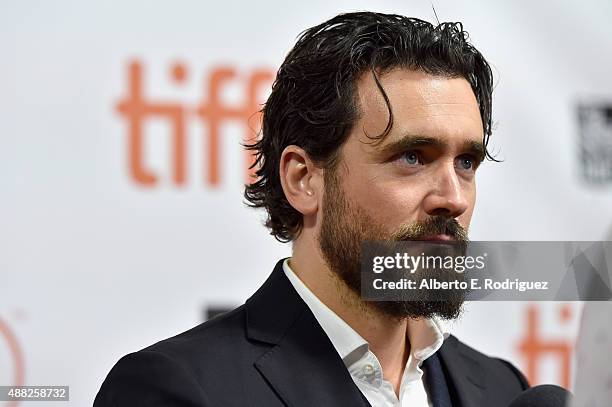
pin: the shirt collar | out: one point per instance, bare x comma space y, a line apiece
425, 335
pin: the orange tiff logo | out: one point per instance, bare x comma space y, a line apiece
8, 338
136, 108
535, 346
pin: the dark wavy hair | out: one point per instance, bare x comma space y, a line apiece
313, 101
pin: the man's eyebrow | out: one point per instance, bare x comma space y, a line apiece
409, 142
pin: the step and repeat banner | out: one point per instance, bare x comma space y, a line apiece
122, 219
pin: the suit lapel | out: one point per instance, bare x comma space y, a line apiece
302, 366
464, 374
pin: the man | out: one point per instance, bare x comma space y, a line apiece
374, 129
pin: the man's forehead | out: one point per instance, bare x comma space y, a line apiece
427, 110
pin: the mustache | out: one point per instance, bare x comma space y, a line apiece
434, 225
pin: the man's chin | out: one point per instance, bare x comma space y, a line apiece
419, 309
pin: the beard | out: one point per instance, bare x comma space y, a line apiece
346, 226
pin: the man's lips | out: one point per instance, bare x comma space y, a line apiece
437, 238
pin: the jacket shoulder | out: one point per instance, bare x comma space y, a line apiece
149, 378
170, 372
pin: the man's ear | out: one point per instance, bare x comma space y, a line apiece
301, 180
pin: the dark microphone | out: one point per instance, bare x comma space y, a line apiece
546, 395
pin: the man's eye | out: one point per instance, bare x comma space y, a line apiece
466, 163
411, 158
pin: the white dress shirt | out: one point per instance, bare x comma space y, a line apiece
425, 337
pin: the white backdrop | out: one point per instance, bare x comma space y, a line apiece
96, 263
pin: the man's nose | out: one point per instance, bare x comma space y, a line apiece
448, 196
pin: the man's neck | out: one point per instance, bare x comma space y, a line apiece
386, 336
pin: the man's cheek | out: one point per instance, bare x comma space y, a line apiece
399, 213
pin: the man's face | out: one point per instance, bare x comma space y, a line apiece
417, 184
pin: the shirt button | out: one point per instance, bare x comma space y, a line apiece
368, 369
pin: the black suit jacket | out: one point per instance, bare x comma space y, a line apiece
271, 351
